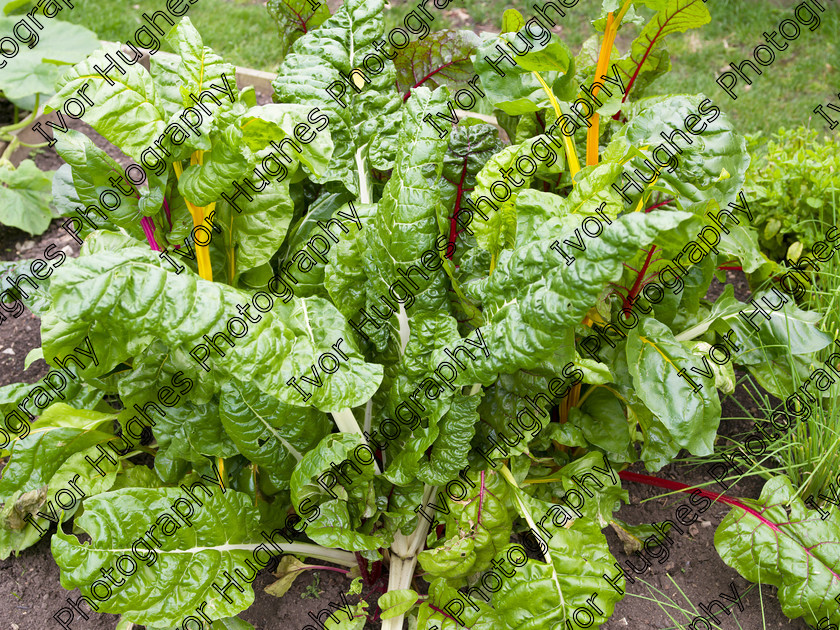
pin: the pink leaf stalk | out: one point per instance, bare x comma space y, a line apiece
149, 231
168, 213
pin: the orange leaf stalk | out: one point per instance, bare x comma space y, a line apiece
593, 134
573, 398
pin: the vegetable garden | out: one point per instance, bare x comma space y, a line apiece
423, 318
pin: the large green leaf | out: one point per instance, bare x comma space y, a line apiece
91, 171
344, 274
499, 230
711, 167
647, 59
682, 418
433, 613
337, 475
534, 299
129, 113
405, 225
270, 433
777, 541
530, 594
75, 479
193, 432
97, 295
62, 432
199, 68
318, 61
513, 88
178, 575
478, 525
35, 70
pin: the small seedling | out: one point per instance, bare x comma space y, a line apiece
312, 591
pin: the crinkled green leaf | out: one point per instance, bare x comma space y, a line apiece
477, 527
199, 68
717, 150
777, 541
189, 560
344, 274
405, 225
499, 231
368, 118
534, 298
61, 431
682, 418
270, 433
130, 114
17, 534
91, 170
95, 291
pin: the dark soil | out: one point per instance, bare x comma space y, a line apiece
31, 593
7, 112
20, 335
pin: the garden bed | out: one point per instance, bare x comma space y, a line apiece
33, 592
382, 200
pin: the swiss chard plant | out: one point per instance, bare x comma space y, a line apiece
424, 390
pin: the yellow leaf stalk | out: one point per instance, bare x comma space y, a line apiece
199, 213
571, 154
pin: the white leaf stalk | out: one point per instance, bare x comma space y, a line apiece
361, 169
404, 549
404, 552
346, 423
337, 556
405, 331
344, 558
368, 414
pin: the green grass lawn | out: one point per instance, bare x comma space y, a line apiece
241, 32
802, 76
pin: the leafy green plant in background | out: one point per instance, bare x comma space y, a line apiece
794, 179
27, 80
496, 285
25, 196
